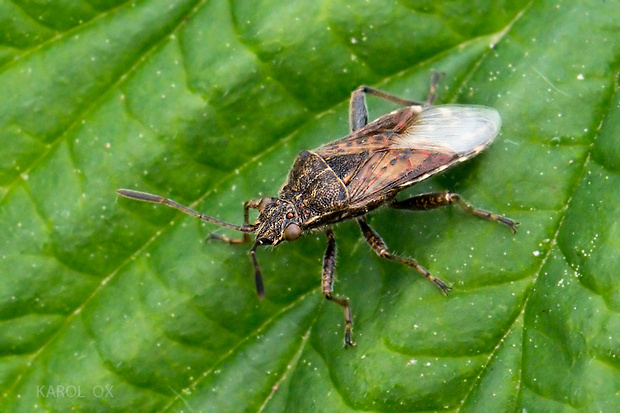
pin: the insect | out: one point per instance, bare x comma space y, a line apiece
351, 176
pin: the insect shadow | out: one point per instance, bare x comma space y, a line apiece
351, 176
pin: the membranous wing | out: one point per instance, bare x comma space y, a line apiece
407, 146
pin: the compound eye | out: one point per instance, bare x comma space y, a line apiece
292, 232
263, 203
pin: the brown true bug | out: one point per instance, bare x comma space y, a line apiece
354, 175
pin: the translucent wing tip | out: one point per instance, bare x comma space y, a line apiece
458, 129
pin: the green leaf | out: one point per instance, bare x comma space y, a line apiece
112, 304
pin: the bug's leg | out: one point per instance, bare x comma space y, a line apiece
358, 111
251, 204
329, 264
439, 199
432, 94
258, 275
378, 246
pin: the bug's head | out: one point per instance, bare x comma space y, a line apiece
277, 221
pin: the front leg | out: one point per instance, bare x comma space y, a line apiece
329, 265
251, 204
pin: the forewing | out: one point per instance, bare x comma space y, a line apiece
394, 169
426, 144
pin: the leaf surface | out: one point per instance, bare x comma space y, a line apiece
108, 303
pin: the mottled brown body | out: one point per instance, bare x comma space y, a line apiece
349, 177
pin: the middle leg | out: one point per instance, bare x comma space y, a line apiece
329, 265
378, 246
